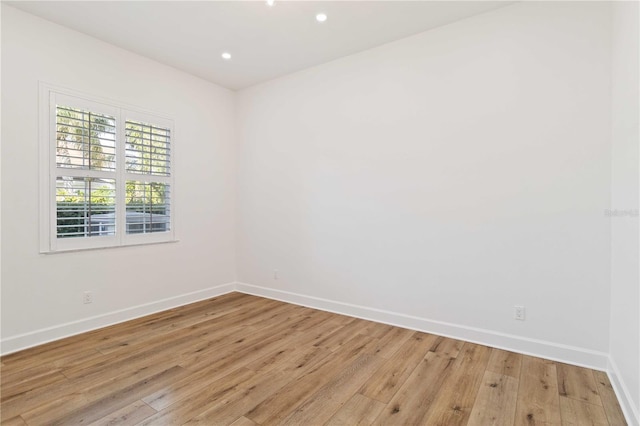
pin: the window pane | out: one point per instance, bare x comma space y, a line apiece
148, 149
85, 140
85, 207
148, 207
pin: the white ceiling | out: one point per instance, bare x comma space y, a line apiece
266, 42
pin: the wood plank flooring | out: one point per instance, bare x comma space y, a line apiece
243, 360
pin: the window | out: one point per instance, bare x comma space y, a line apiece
106, 174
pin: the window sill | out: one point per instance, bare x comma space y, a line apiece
137, 244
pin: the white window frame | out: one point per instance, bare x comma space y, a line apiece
50, 96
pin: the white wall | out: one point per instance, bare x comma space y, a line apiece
45, 291
448, 176
0, 191
625, 254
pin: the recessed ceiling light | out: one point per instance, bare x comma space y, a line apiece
271, 2
226, 56
321, 17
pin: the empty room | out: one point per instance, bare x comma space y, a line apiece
320, 213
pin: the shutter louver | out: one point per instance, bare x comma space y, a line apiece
85, 140
85, 207
148, 207
148, 149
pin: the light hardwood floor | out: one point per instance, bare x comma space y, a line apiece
243, 360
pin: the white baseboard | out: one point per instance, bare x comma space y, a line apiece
45, 335
540, 348
630, 409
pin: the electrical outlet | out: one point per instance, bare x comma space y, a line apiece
87, 297
518, 313
275, 274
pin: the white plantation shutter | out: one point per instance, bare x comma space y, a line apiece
108, 180
154, 213
85, 144
148, 176
85, 207
85, 140
148, 149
